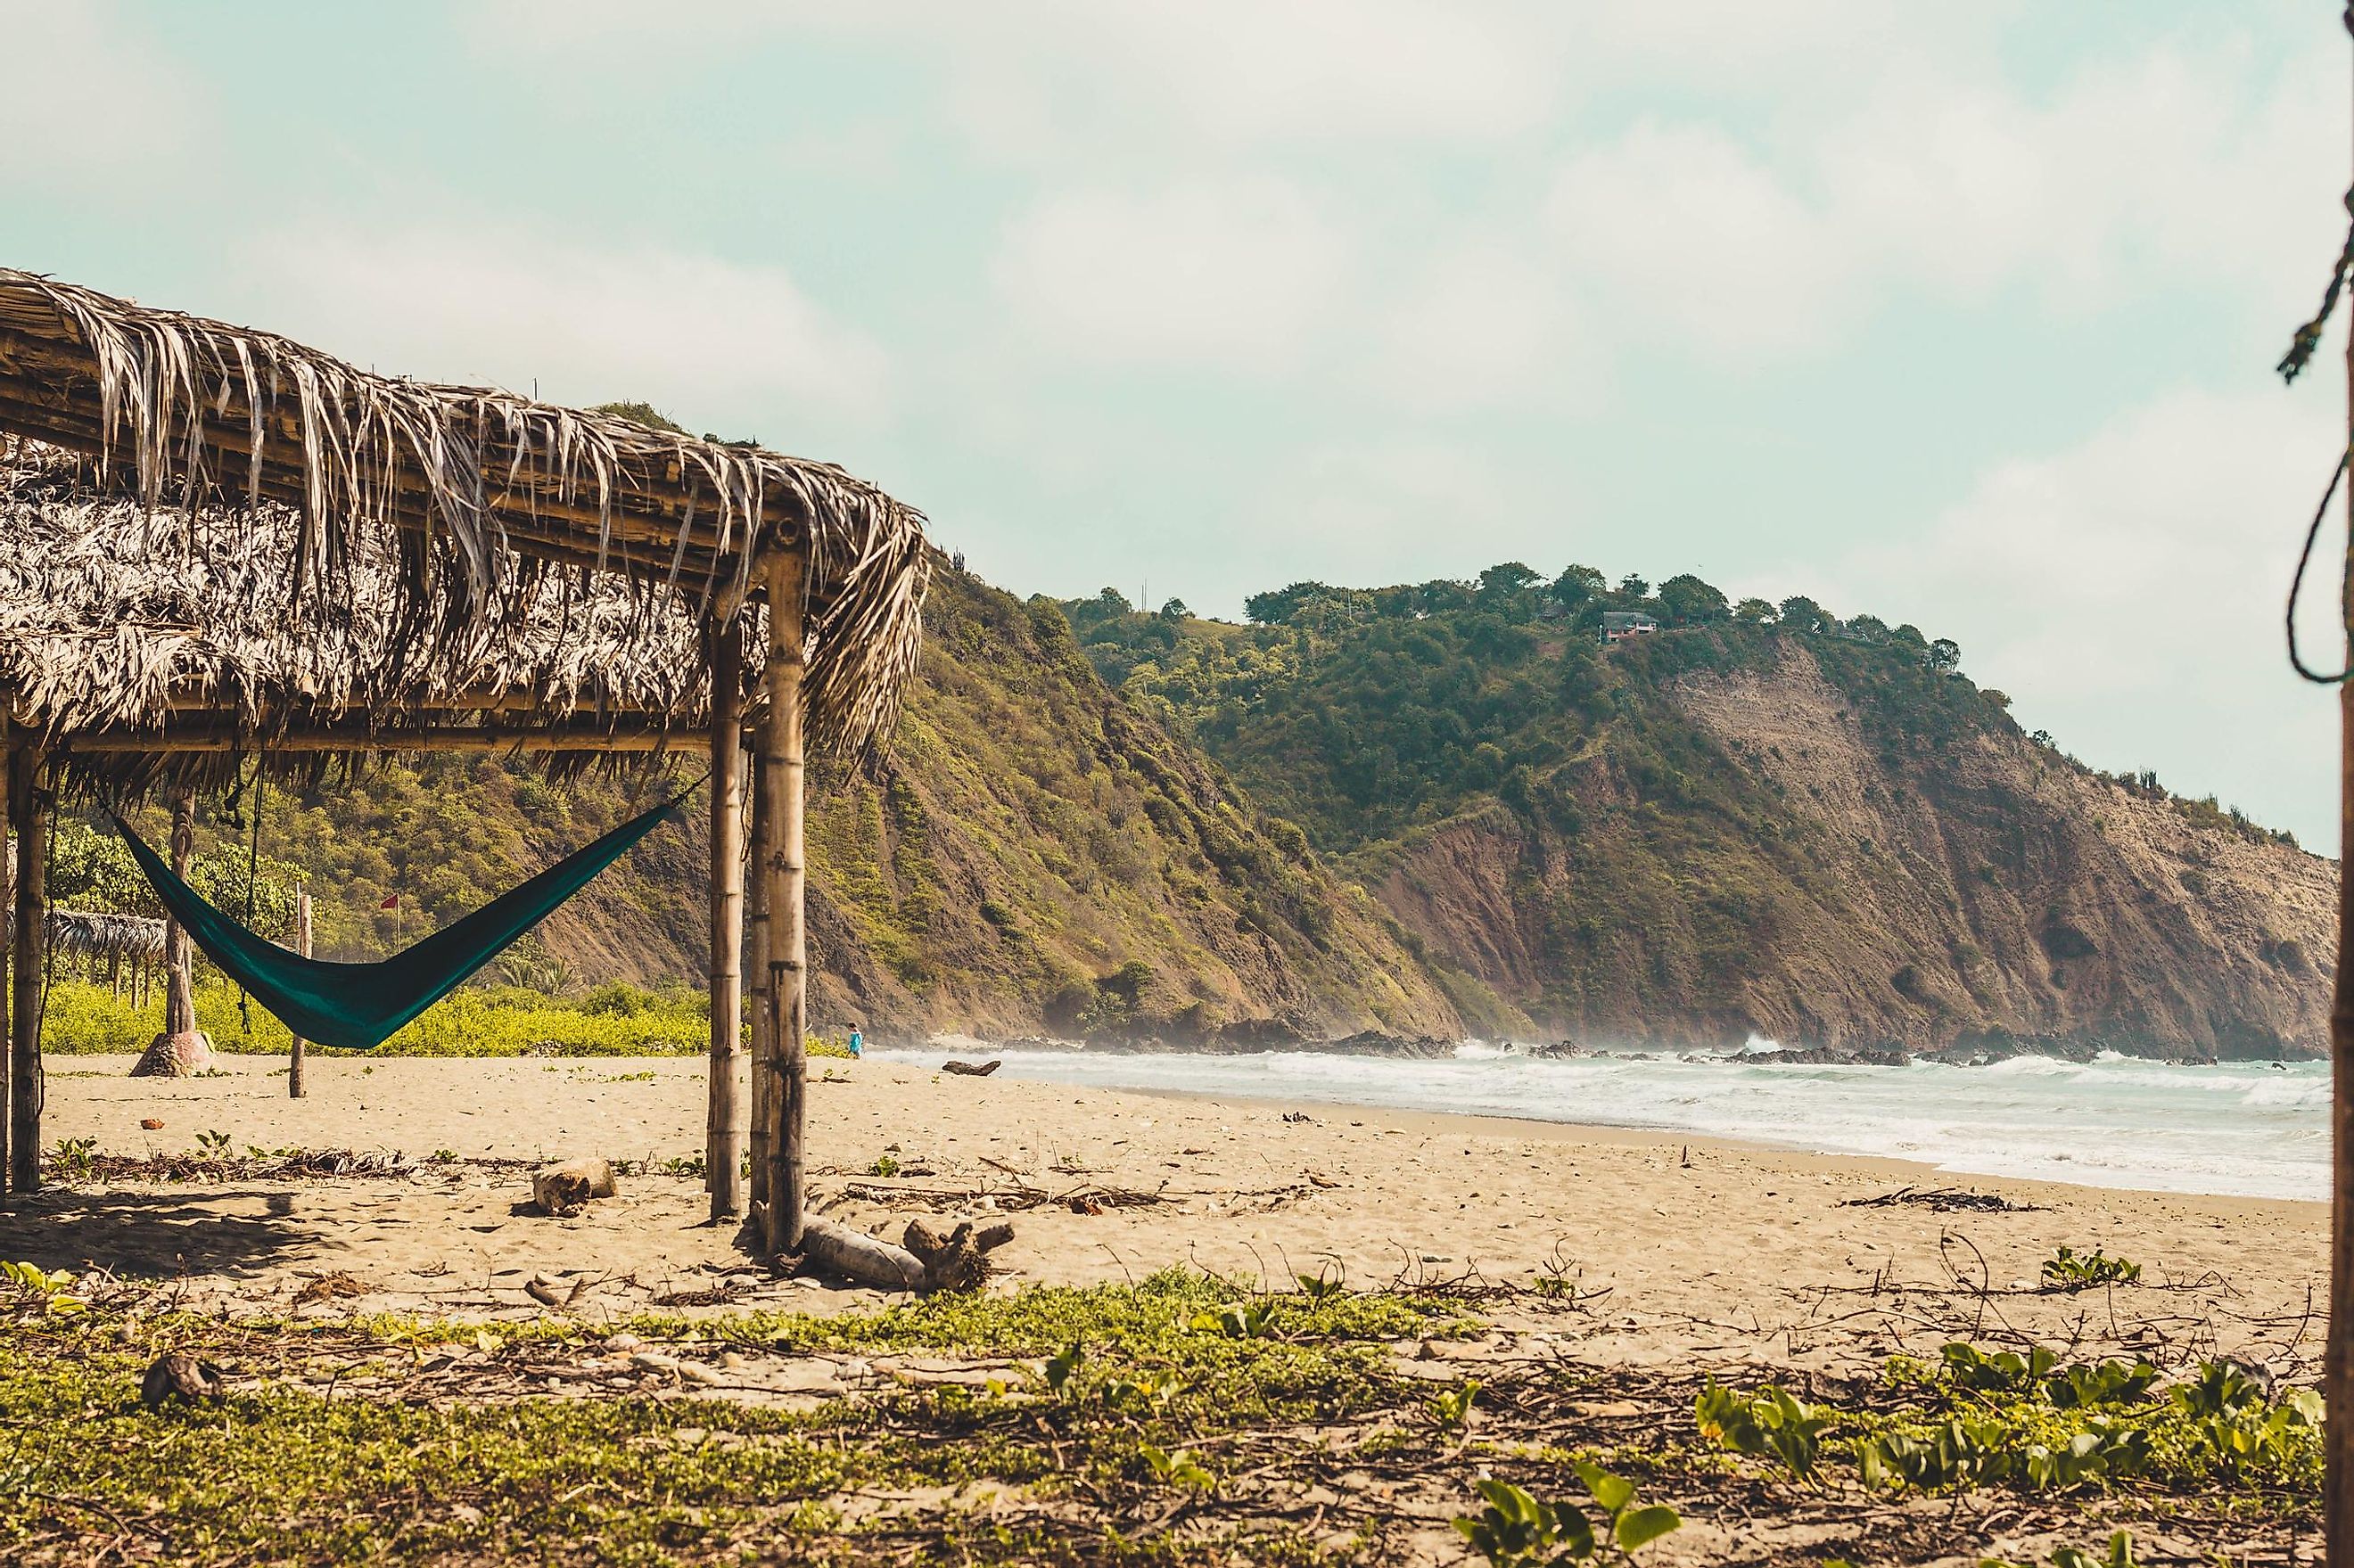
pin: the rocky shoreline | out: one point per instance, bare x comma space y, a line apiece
1264, 1037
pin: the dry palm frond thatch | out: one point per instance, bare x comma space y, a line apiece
80, 933
408, 512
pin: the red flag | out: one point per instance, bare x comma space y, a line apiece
391, 901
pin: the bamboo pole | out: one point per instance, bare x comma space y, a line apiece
302, 946
179, 977
28, 810
724, 1132
179, 737
2338, 1357
756, 920
8, 769
781, 869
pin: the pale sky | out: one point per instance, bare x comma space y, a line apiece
1964, 314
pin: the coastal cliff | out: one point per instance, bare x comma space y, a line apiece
1727, 823
1988, 891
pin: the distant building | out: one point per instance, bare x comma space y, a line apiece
1619, 625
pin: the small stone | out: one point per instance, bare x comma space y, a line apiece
622, 1342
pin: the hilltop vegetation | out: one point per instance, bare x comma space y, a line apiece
1755, 818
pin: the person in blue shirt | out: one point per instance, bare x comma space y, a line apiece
857, 1042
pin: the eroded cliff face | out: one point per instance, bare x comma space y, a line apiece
1862, 894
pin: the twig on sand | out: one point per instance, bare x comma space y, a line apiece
1944, 1199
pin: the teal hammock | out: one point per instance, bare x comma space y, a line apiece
360, 1006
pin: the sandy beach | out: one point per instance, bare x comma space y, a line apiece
1670, 1251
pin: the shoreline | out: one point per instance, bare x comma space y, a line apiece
1895, 1168
1660, 1248
2115, 1125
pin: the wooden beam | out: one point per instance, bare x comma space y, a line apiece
724, 1129
783, 872
174, 739
29, 810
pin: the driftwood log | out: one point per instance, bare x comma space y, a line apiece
931, 1259
565, 1189
958, 1260
856, 1256
970, 1069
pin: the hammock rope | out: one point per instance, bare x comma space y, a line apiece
2296, 583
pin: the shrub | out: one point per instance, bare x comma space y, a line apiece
472, 1021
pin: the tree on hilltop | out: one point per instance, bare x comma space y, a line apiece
1688, 601
1800, 613
1505, 581
1578, 586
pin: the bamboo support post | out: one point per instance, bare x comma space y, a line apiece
2338, 1356
8, 766
28, 812
781, 872
302, 946
179, 977
757, 919
724, 1132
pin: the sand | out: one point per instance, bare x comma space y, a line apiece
1671, 1249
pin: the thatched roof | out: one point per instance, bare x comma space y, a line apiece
365, 519
80, 933
121, 626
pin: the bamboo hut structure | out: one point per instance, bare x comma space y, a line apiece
218, 546
94, 936
102, 943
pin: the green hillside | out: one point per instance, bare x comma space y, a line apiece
1755, 818
1030, 854
1414, 811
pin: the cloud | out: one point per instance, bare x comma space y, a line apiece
1237, 276
1694, 235
1483, 325
2163, 169
2128, 590
89, 105
695, 336
1364, 511
1051, 78
1237, 73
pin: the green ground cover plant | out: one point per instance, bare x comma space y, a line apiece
296, 1464
1180, 1419
2004, 1419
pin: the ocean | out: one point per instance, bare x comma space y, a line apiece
2248, 1130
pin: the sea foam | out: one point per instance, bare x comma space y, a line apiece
2250, 1129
